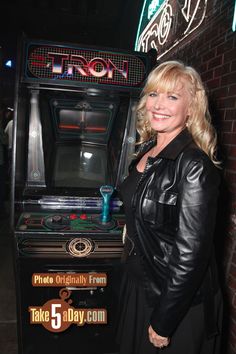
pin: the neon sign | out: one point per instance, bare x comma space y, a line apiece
153, 7
58, 64
172, 22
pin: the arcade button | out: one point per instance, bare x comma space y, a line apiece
83, 217
73, 216
57, 219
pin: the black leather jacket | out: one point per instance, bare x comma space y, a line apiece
174, 208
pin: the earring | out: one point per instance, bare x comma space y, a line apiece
187, 122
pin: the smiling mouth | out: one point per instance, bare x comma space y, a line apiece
160, 116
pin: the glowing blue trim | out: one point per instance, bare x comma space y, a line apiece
234, 19
139, 25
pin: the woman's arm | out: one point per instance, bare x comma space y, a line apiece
198, 192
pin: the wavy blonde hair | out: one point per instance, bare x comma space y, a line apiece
165, 78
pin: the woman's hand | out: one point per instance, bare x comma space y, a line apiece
156, 340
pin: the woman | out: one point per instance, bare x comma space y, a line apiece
170, 295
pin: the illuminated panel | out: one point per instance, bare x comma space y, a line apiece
234, 18
83, 121
164, 24
91, 120
57, 64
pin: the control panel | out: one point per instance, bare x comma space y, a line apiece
69, 222
69, 235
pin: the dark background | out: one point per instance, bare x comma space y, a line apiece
104, 23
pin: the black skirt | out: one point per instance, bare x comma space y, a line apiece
134, 320
134, 312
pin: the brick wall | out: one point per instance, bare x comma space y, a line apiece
212, 50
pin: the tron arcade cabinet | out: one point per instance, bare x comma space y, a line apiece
74, 134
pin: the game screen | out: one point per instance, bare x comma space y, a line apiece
82, 130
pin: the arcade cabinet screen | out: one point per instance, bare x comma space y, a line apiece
85, 152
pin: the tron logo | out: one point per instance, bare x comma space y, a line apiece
57, 64
67, 64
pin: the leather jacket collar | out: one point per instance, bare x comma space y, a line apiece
170, 152
173, 149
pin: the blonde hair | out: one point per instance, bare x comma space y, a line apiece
165, 78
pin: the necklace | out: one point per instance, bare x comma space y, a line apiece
154, 151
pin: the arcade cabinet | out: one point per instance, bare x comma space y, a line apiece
74, 134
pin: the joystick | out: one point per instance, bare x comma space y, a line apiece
105, 221
56, 222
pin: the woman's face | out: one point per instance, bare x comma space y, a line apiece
168, 111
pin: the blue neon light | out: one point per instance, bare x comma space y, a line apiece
8, 63
140, 22
234, 18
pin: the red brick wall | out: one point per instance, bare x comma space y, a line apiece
212, 50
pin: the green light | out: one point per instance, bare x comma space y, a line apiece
153, 7
150, 8
234, 19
